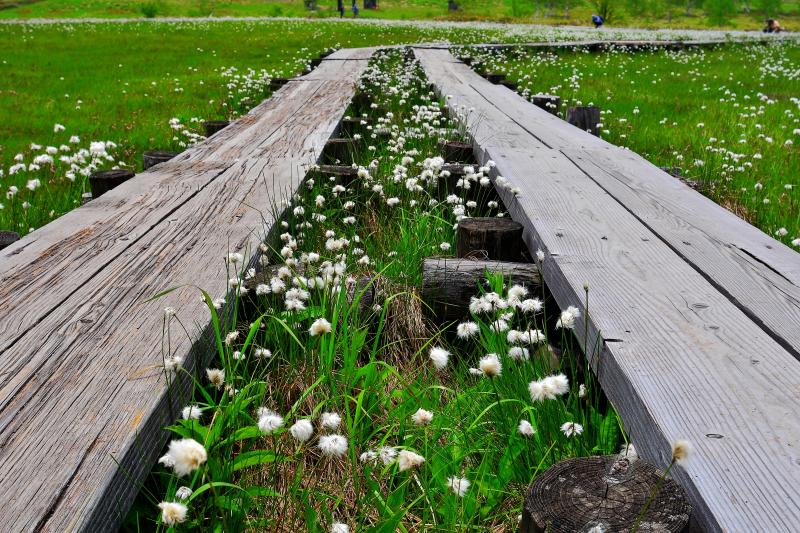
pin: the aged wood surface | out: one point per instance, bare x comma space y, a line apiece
82, 386
680, 357
449, 283
607, 493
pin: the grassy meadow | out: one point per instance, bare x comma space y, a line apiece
321, 412
728, 118
632, 13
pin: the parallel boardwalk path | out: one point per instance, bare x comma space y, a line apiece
696, 312
81, 388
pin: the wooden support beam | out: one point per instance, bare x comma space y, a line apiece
607, 493
154, 157
103, 181
456, 151
548, 102
7, 238
448, 284
497, 238
214, 126
585, 117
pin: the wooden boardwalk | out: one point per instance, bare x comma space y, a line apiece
696, 312
83, 400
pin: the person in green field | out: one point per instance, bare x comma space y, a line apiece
773, 26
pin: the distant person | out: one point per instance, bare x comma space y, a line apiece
598, 21
340, 7
355, 9
773, 26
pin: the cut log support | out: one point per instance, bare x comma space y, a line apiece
154, 157
457, 151
103, 181
508, 84
352, 125
494, 77
277, 83
86, 198
342, 175
7, 238
585, 117
448, 283
494, 238
340, 151
452, 5
213, 126
549, 102
607, 493
316, 62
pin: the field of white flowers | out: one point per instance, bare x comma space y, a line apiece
324, 412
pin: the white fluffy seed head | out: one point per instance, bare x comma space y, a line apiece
331, 421
184, 456
525, 428
681, 450
302, 430
333, 445
439, 356
320, 327
490, 365
407, 459
422, 417
172, 512
459, 485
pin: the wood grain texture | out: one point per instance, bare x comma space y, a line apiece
82, 387
679, 358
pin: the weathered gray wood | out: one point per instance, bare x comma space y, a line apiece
494, 238
448, 284
103, 181
154, 157
585, 117
608, 493
340, 151
456, 151
85, 364
679, 358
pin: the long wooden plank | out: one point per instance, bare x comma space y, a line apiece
679, 359
760, 274
87, 392
64, 254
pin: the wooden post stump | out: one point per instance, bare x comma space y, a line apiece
316, 62
7, 238
489, 238
342, 175
277, 83
352, 125
452, 5
494, 77
340, 151
607, 492
449, 283
675, 172
467, 60
154, 157
549, 102
509, 84
86, 198
585, 117
214, 126
457, 151
103, 181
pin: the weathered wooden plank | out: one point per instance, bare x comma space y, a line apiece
759, 273
352, 53
86, 391
679, 359
67, 252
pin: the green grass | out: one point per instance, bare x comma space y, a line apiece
123, 83
729, 117
372, 367
655, 15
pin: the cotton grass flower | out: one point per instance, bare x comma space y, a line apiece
191, 412
567, 318
184, 456
320, 327
183, 493
571, 429
466, 330
681, 450
407, 459
331, 421
490, 365
548, 388
422, 417
332, 445
525, 428
440, 357
216, 377
302, 430
459, 485
173, 513
269, 421
338, 527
